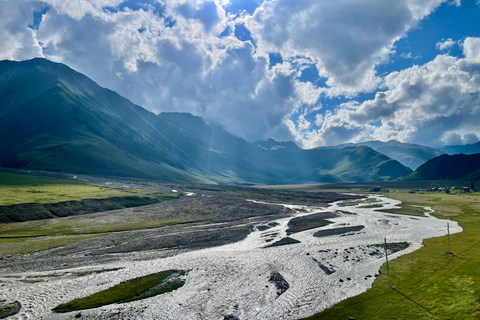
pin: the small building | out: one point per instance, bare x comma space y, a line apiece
376, 189
465, 189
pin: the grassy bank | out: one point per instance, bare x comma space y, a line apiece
428, 283
130, 290
20, 188
31, 207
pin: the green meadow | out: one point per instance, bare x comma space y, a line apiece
429, 283
29, 236
22, 188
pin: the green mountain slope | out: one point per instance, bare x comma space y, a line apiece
448, 167
350, 164
53, 118
56, 119
222, 156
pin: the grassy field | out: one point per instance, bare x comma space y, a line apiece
428, 283
30, 236
130, 290
20, 188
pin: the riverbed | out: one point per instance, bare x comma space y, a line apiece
234, 280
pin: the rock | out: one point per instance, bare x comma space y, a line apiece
280, 282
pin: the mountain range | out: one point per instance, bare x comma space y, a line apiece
409, 154
55, 119
465, 149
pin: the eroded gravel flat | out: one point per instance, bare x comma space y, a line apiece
234, 280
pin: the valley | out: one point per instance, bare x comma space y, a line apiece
239, 160
221, 238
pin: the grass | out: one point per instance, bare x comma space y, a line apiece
308, 222
21, 188
130, 290
408, 209
371, 206
41, 197
13, 246
428, 283
9, 309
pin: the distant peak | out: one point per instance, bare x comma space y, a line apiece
273, 145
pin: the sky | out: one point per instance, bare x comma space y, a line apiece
319, 73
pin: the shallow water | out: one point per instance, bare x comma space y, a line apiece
234, 279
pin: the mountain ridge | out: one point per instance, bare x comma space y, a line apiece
449, 167
64, 121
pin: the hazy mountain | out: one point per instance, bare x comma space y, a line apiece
350, 164
273, 145
223, 157
54, 118
276, 162
408, 154
448, 167
465, 149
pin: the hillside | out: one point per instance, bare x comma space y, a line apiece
55, 119
409, 154
350, 164
448, 167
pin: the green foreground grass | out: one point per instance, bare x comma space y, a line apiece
428, 283
130, 290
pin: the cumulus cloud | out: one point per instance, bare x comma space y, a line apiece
446, 44
19, 42
437, 103
177, 61
179, 55
347, 38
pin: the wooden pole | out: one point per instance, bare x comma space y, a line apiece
448, 231
386, 258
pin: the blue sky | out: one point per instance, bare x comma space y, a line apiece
315, 72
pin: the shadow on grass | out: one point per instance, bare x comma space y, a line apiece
407, 297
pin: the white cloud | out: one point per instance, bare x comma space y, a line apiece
435, 104
176, 61
346, 38
77, 9
19, 42
446, 44
471, 49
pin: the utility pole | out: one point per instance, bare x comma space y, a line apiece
448, 232
386, 258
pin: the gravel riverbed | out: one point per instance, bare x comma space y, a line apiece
239, 279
